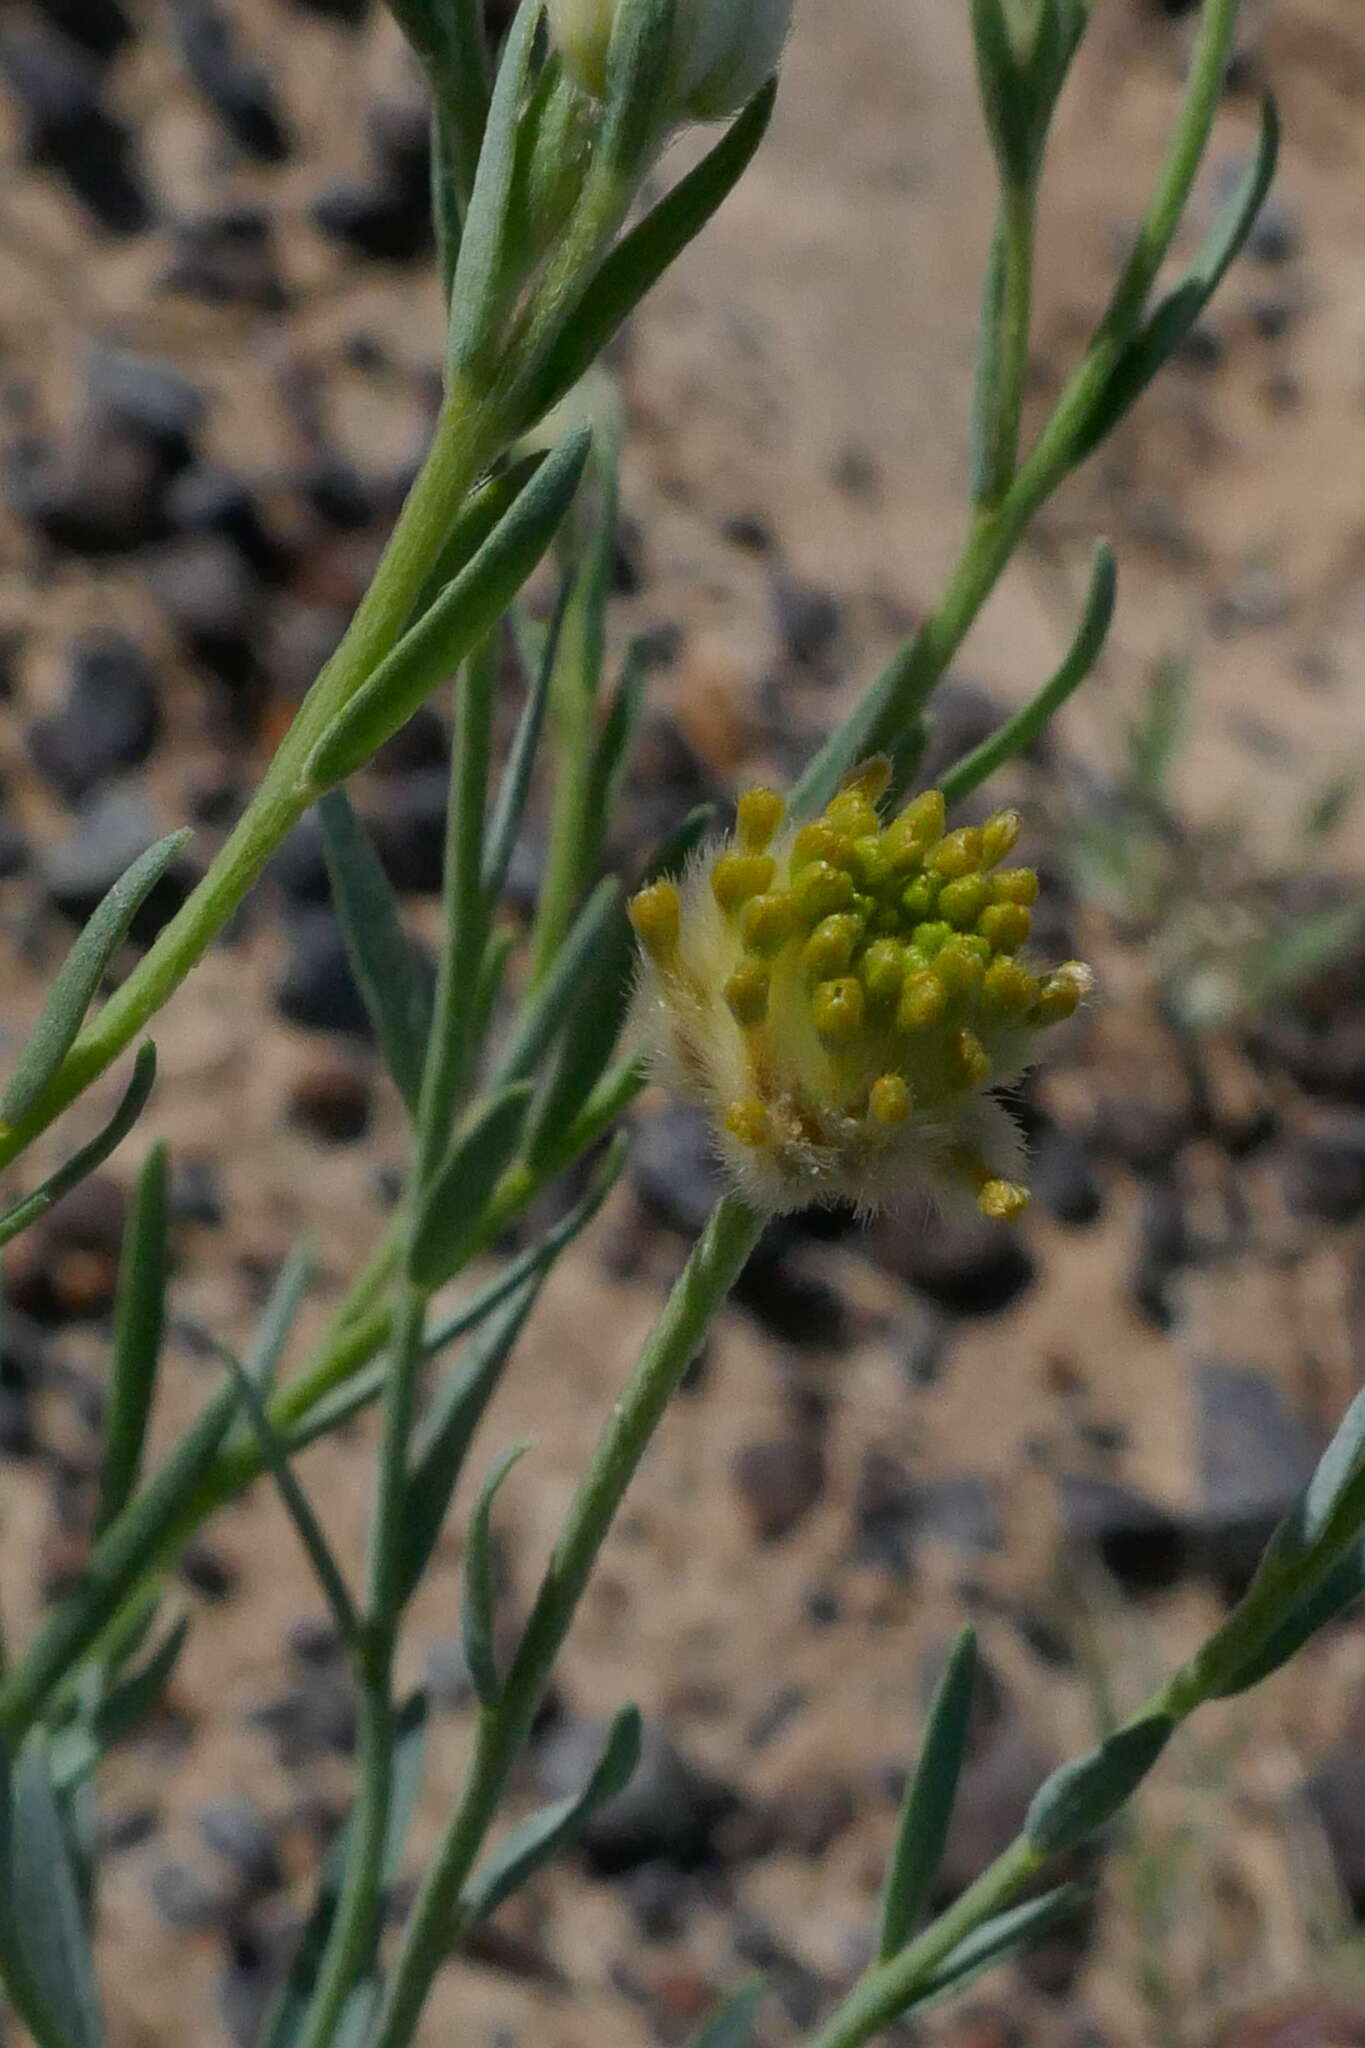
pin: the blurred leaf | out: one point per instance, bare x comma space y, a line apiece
386, 970
287, 2022
1300, 951
732, 2025
139, 1318
90, 1156
77, 1750
44, 1904
479, 1620
1329, 807
1155, 741
80, 975
642, 256
526, 1848
996, 1940
1080, 1797
450, 1214
448, 1428
930, 1795
673, 854
1177, 314
1006, 99
611, 759
278, 1317
465, 613
987, 384
1019, 732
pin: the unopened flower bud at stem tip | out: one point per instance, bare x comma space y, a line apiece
722, 50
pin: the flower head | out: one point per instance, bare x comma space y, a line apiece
843, 997
722, 51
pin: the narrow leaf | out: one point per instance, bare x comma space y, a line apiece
461, 617
450, 1214
279, 1316
927, 1808
487, 504
480, 272
115, 1565
393, 989
1082, 1796
138, 1323
986, 392
574, 967
996, 1940
1020, 731
1154, 742
299, 1509
527, 1847
90, 1156
1177, 314
642, 256
509, 810
120, 1712
617, 737
478, 1619
80, 975
1005, 99
1342, 1587
448, 1431
589, 1038
45, 1903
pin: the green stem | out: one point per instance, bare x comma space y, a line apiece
878, 1999
467, 437
712, 1270
1011, 339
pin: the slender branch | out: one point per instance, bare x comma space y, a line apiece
712, 1270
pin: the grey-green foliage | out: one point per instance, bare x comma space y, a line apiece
514, 1066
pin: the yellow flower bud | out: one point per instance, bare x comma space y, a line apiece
837, 1013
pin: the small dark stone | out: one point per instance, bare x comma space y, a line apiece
420, 745
226, 259
1203, 348
1336, 1794
125, 1828
196, 1193
657, 1895
207, 1573
314, 1641
185, 1899
1143, 1135
101, 28
386, 223
109, 719
14, 849
347, 13
242, 1839
209, 498
246, 1987
1063, 1179
961, 1510
1255, 1456
884, 1513
318, 989
809, 622
1324, 1170
746, 530
668, 1813
332, 1100
965, 714
235, 85
1276, 237
778, 1483
152, 397
316, 1719
69, 129
299, 870
408, 826
1163, 1248
1141, 1544
965, 1267
795, 1307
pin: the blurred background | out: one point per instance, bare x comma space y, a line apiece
219, 357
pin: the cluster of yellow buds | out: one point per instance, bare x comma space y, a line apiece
842, 997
